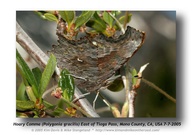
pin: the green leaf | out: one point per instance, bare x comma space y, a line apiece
122, 19
108, 19
24, 105
60, 103
40, 13
83, 18
20, 71
37, 73
68, 16
97, 23
50, 17
57, 111
47, 74
125, 109
116, 13
21, 93
116, 85
27, 73
134, 79
66, 82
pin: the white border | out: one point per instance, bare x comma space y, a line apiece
7, 34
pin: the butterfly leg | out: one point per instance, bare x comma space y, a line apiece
80, 97
104, 100
111, 79
97, 94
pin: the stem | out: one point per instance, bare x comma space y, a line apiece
30, 94
132, 96
47, 104
125, 108
77, 107
159, 90
118, 23
126, 86
33, 50
41, 58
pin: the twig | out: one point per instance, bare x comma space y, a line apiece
41, 58
77, 107
133, 92
159, 90
126, 82
132, 96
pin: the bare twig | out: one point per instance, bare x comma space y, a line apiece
132, 96
126, 82
41, 58
128, 109
159, 90
133, 92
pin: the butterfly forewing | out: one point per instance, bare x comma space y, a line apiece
96, 58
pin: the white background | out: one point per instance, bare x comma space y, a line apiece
7, 52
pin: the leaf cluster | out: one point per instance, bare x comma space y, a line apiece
91, 22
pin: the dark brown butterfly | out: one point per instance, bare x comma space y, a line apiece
96, 59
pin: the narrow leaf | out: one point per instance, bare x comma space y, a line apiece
50, 17
125, 109
108, 19
57, 111
40, 13
20, 71
115, 112
122, 19
66, 82
97, 23
68, 16
21, 93
24, 105
27, 73
134, 73
83, 18
47, 74
37, 73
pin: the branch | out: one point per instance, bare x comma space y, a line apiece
41, 58
159, 90
133, 92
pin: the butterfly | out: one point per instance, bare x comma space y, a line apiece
94, 59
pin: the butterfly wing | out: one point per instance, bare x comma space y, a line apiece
96, 59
